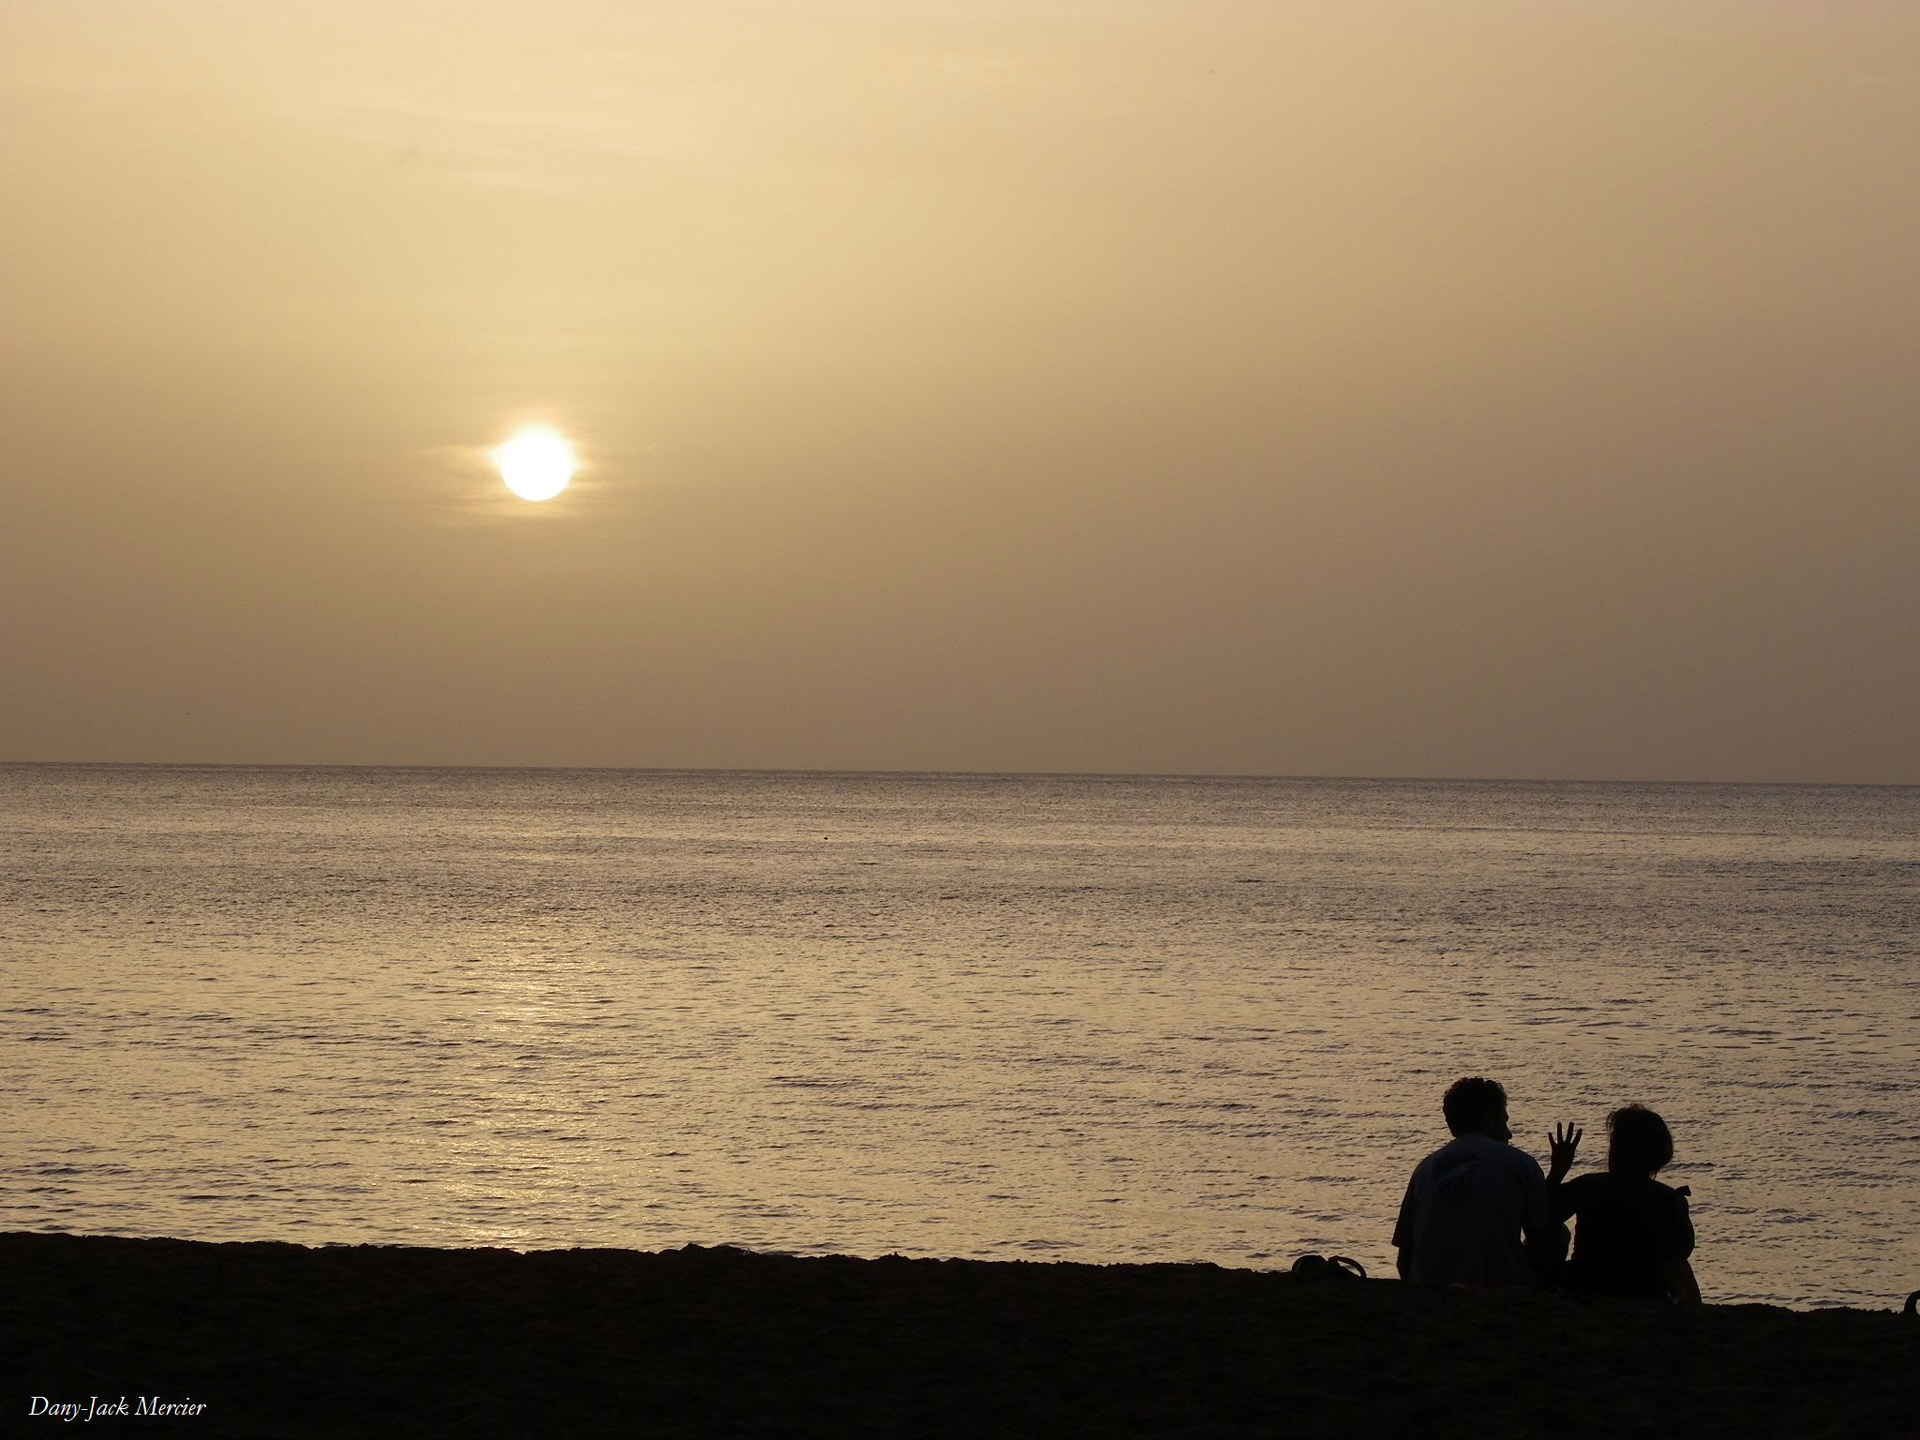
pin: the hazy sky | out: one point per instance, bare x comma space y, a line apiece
1418, 387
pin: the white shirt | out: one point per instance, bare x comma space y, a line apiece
1465, 1209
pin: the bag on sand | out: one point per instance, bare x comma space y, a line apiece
1315, 1268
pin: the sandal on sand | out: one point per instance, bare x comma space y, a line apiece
1328, 1267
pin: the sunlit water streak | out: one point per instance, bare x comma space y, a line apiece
1076, 1018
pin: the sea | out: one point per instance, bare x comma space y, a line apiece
1007, 1017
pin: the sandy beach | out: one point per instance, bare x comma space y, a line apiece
281, 1340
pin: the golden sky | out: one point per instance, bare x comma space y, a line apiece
1386, 387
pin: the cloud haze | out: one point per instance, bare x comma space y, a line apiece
1389, 388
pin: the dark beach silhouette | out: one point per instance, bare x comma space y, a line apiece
284, 1341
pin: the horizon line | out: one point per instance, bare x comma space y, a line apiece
828, 771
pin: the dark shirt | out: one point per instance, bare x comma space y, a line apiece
1631, 1229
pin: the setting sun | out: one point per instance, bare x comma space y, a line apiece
536, 463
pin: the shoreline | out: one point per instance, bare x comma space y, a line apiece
276, 1339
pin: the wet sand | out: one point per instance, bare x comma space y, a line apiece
280, 1340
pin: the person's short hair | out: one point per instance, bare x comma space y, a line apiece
1469, 1101
1638, 1141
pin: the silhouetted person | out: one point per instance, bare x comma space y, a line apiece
1634, 1233
1470, 1202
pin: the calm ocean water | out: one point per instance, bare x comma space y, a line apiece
1005, 1017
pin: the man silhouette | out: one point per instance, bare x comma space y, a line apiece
1470, 1202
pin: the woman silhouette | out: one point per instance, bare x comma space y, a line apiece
1634, 1234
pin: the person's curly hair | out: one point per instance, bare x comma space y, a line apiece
1638, 1141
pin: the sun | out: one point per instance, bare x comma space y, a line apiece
537, 462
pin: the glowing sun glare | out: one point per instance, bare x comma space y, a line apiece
536, 463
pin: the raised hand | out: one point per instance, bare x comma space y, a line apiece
1565, 1142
